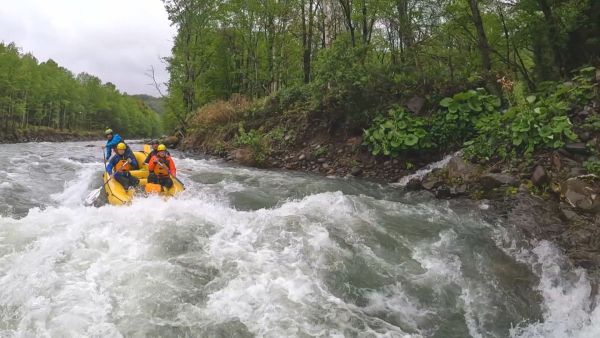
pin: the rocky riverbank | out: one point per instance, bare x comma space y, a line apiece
38, 134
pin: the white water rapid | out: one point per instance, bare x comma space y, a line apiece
259, 253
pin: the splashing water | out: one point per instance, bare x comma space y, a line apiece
246, 253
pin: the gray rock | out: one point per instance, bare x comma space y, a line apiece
577, 148
387, 163
443, 192
415, 104
458, 168
356, 171
413, 185
431, 182
491, 181
325, 166
581, 194
567, 213
301, 157
322, 160
539, 176
459, 190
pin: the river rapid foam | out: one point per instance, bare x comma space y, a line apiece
246, 253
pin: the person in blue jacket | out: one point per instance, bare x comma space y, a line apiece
112, 140
120, 165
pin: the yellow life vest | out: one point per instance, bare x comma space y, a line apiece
161, 170
122, 166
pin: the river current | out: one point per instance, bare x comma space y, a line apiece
260, 253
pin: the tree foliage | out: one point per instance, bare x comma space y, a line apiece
46, 94
355, 54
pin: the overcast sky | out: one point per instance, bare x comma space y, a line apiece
116, 40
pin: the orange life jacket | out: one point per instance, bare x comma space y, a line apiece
122, 167
161, 170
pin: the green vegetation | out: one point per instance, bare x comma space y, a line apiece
256, 141
398, 132
47, 95
502, 78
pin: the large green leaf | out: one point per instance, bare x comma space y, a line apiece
446, 102
411, 140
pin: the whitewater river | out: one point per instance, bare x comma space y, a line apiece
258, 253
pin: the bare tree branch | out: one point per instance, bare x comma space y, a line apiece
150, 73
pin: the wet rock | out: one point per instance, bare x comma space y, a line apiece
443, 192
415, 104
459, 190
356, 171
581, 194
387, 163
567, 213
458, 168
331, 172
577, 148
413, 185
243, 156
491, 181
431, 182
539, 176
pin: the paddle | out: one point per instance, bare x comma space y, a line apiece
175, 177
93, 196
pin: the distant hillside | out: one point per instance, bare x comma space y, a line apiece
156, 103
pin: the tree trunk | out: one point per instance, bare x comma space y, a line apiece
553, 35
482, 41
307, 33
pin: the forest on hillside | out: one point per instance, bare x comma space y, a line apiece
353, 54
44, 94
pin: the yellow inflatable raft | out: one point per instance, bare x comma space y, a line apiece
117, 195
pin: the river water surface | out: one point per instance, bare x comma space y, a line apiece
258, 253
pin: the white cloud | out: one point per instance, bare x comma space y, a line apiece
116, 40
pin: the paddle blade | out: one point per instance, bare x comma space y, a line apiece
92, 197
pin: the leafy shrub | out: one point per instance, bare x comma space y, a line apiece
491, 140
532, 123
592, 123
580, 90
456, 119
537, 127
592, 167
321, 151
256, 141
397, 132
